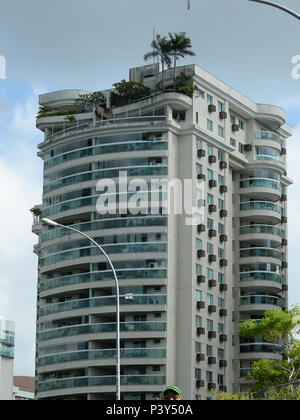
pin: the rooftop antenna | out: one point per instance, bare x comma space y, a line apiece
154, 58
189, 4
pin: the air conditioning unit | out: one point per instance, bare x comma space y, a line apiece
212, 208
223, 363
223, 189
223, 164
283, 219
284, 197
212, 334
223, 287
212, 159
200, 279
201, 177
284, 264
223, 238
235, 127
200, 305
212, 108
223, 262
199, 383
223, 213
283, 151
212, 283
223, 338
211, 386
212, 360
200, 253
201, 228
212, 183
212, 258
201, 153
284, 242
200, 331
212, 233
223, 115
212, 309
248, 147
284, 287
200, 357
223, 313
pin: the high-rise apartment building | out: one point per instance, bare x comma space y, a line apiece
185, 284
7, 343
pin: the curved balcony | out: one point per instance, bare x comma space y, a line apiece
107, 149
260, 210
265, 280
89, 329
260, 302
108, 173
103, 355
93, 251
264, 188
103, 301
96, 381
7, 351
82, 279
261, 230
117, 223
269, 136
260, 351
261, 253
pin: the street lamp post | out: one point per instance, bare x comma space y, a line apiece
118, 363
278, 6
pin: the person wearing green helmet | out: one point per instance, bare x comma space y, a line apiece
171, 393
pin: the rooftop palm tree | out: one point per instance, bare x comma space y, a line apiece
180, 47
161, 48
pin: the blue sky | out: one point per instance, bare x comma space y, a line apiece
65, 44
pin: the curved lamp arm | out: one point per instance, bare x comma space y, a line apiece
278, 6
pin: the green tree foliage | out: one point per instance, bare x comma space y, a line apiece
180, 47
89, 101
185, 84
161, 47
280, 327
128, 92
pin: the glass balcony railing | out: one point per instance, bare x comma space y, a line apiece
261, 252
261, 300
267, 229
261, 205
150, 326
245, 372
100, 381
261, 276
68, 131
116, 223
268, 135
6, 351
275, 159
110, 249
261, 183
105, 149
112, 173
260, 348
102, 276
128, 120
103, 301
137, 353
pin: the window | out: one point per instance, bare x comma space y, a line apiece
198, 295
198, 373
209, 350
198, 143
210, 324
210, 274
220, 379
210, 299
241, 148
220, 278
221, 229
210, 99
210, 174
209, 377
221, 204
233, 142
209, 125
210, 224
210, 199
198, 347
220, 106
220, 131
241, 124
197, 117
198, 321
198, 244
198, 168
221, 155
220, 328
232, 119
221, 354
210, 248
221, 179
198, 269
221, 253
221, 303
198, 193
199, 93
